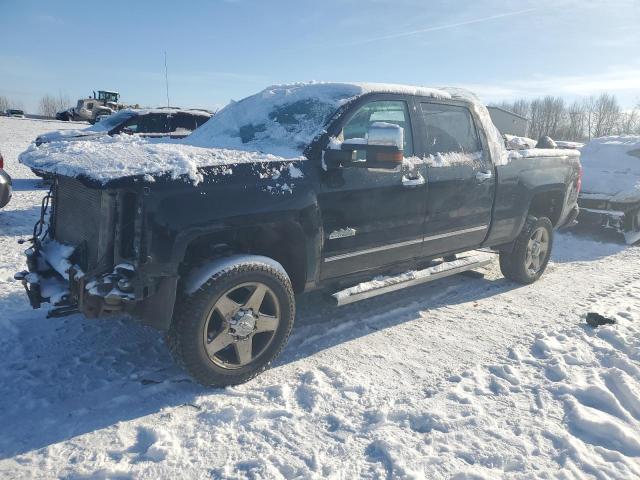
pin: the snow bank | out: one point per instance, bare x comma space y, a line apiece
612, 167
109, 158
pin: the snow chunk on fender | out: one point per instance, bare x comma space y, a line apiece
202, 274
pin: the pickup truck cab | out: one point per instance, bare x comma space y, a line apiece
298, 187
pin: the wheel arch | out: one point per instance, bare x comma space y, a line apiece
282, 242
548, 202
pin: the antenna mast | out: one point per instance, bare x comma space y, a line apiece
166, 77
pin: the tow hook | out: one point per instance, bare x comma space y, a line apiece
32, 290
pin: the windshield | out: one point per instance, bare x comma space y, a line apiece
109, 123
281, 120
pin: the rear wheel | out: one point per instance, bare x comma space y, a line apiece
232, 327
528, 259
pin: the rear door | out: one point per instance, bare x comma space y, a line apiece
372, 217
460, 177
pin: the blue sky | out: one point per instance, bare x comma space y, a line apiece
222, 50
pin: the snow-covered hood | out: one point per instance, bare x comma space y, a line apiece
110, 158
612, 168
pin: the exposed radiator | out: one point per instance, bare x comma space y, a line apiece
81, 216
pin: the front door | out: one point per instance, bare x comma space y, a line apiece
460, 176
372, 217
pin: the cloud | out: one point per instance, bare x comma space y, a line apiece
441, 27
618, 80
48, 19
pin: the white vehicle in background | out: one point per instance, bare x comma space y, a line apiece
14, 112
611, 185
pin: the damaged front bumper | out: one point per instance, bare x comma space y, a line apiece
622, 217
51, 278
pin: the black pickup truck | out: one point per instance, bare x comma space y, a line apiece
296, 188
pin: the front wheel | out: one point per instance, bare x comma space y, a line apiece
234, 325
528, 259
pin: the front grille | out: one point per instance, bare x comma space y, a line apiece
80, 219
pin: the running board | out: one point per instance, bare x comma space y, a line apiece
380, 285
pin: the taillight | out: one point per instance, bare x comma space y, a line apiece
1, 161
579, 183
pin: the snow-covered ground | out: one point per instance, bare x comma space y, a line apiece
466, 378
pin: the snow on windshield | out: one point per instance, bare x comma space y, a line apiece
111, 121
284, 119
281, 118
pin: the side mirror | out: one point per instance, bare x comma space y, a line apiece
383, 147
127, 131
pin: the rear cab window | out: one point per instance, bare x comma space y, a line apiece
450, 135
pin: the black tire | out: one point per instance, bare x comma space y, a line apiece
515, 264
193, 313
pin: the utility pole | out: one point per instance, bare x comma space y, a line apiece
166, 77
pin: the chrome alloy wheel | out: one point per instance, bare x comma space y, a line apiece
537, 250
241, 325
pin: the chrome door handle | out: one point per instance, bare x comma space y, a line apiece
413, 181
484, 175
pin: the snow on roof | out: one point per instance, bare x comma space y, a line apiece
284, 119
612, 167
169, 110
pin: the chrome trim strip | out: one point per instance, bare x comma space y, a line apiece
404, 244
457, 232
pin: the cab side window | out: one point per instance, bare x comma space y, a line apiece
149, 123
182, 122
449, 128
394, 112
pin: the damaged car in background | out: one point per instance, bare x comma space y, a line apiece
5, 184
299, 187
611, 186
157, 122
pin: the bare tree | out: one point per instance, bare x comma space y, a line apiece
50, 105
576, 119
605, 115
629, 122
6, 102
581, 120
546, 117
